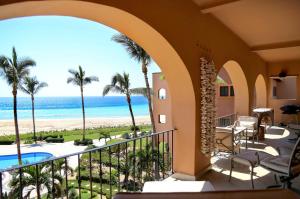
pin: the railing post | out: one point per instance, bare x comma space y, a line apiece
79, 176
172, 151
21, 183
52, 180
119, 183
37, 181
163, 156
91, 174
110, 184
1, 191
140, 172
66, 176
126, 165
100, 171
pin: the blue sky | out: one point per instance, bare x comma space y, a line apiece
61, 43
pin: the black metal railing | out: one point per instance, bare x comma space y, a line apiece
100, 172
226, 120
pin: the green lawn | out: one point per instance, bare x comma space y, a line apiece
70, 135
85, 188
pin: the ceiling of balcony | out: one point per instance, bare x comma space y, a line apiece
271, 28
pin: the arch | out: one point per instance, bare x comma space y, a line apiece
260, 97
183, 94
241, 90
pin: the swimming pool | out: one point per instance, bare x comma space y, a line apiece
7, 161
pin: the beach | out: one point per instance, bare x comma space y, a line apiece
25, 125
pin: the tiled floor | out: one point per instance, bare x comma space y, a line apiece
219, 175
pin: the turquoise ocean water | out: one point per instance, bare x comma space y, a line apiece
70, 107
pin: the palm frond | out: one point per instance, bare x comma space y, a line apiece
73, 72
14, 70
40, 86
25, 63
113, 89
134, 50
139, 91
90, 79
74, 81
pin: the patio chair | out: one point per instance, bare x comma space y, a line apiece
286, 166
227, 140
251, 124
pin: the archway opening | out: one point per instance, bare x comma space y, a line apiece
183, 95
260, 92
233, 92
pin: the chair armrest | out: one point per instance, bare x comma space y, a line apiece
284, 150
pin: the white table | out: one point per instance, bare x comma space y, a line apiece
177, 186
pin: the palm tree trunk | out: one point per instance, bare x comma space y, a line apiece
131, 114
83, 113
145, 72
134, 129
33, 117
17, 126
155, 144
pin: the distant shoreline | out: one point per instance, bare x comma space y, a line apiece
25, 125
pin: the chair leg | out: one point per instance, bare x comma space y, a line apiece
252, 177
231, 167
275, 177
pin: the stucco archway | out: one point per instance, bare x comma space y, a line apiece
183, 95
260, 97
239, 82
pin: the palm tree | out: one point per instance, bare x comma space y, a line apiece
121, 84
79, 79
32, 86
33, 180
139, 54
14, 70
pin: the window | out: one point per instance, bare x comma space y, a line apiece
162, 119
223, 91
162, 94
231, 91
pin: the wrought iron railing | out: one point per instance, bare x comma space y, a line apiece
226, 120
100, 172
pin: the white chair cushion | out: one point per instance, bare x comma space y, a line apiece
177, 186
281, 160
247, 124
274, 164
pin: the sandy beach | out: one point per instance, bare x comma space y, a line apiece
25, 126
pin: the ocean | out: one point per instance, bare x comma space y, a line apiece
70, 107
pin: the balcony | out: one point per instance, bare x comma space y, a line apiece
96, 172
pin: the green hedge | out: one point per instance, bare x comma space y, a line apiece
55, 140
85, 176
6, 142
85, 142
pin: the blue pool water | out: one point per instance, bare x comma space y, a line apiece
70, 107
7, 161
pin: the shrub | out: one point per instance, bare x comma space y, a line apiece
28, 142
136, 128
85, 142
55, 140
49, 136
85, 176
73, 194
89, 147
6, 142
125, 136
